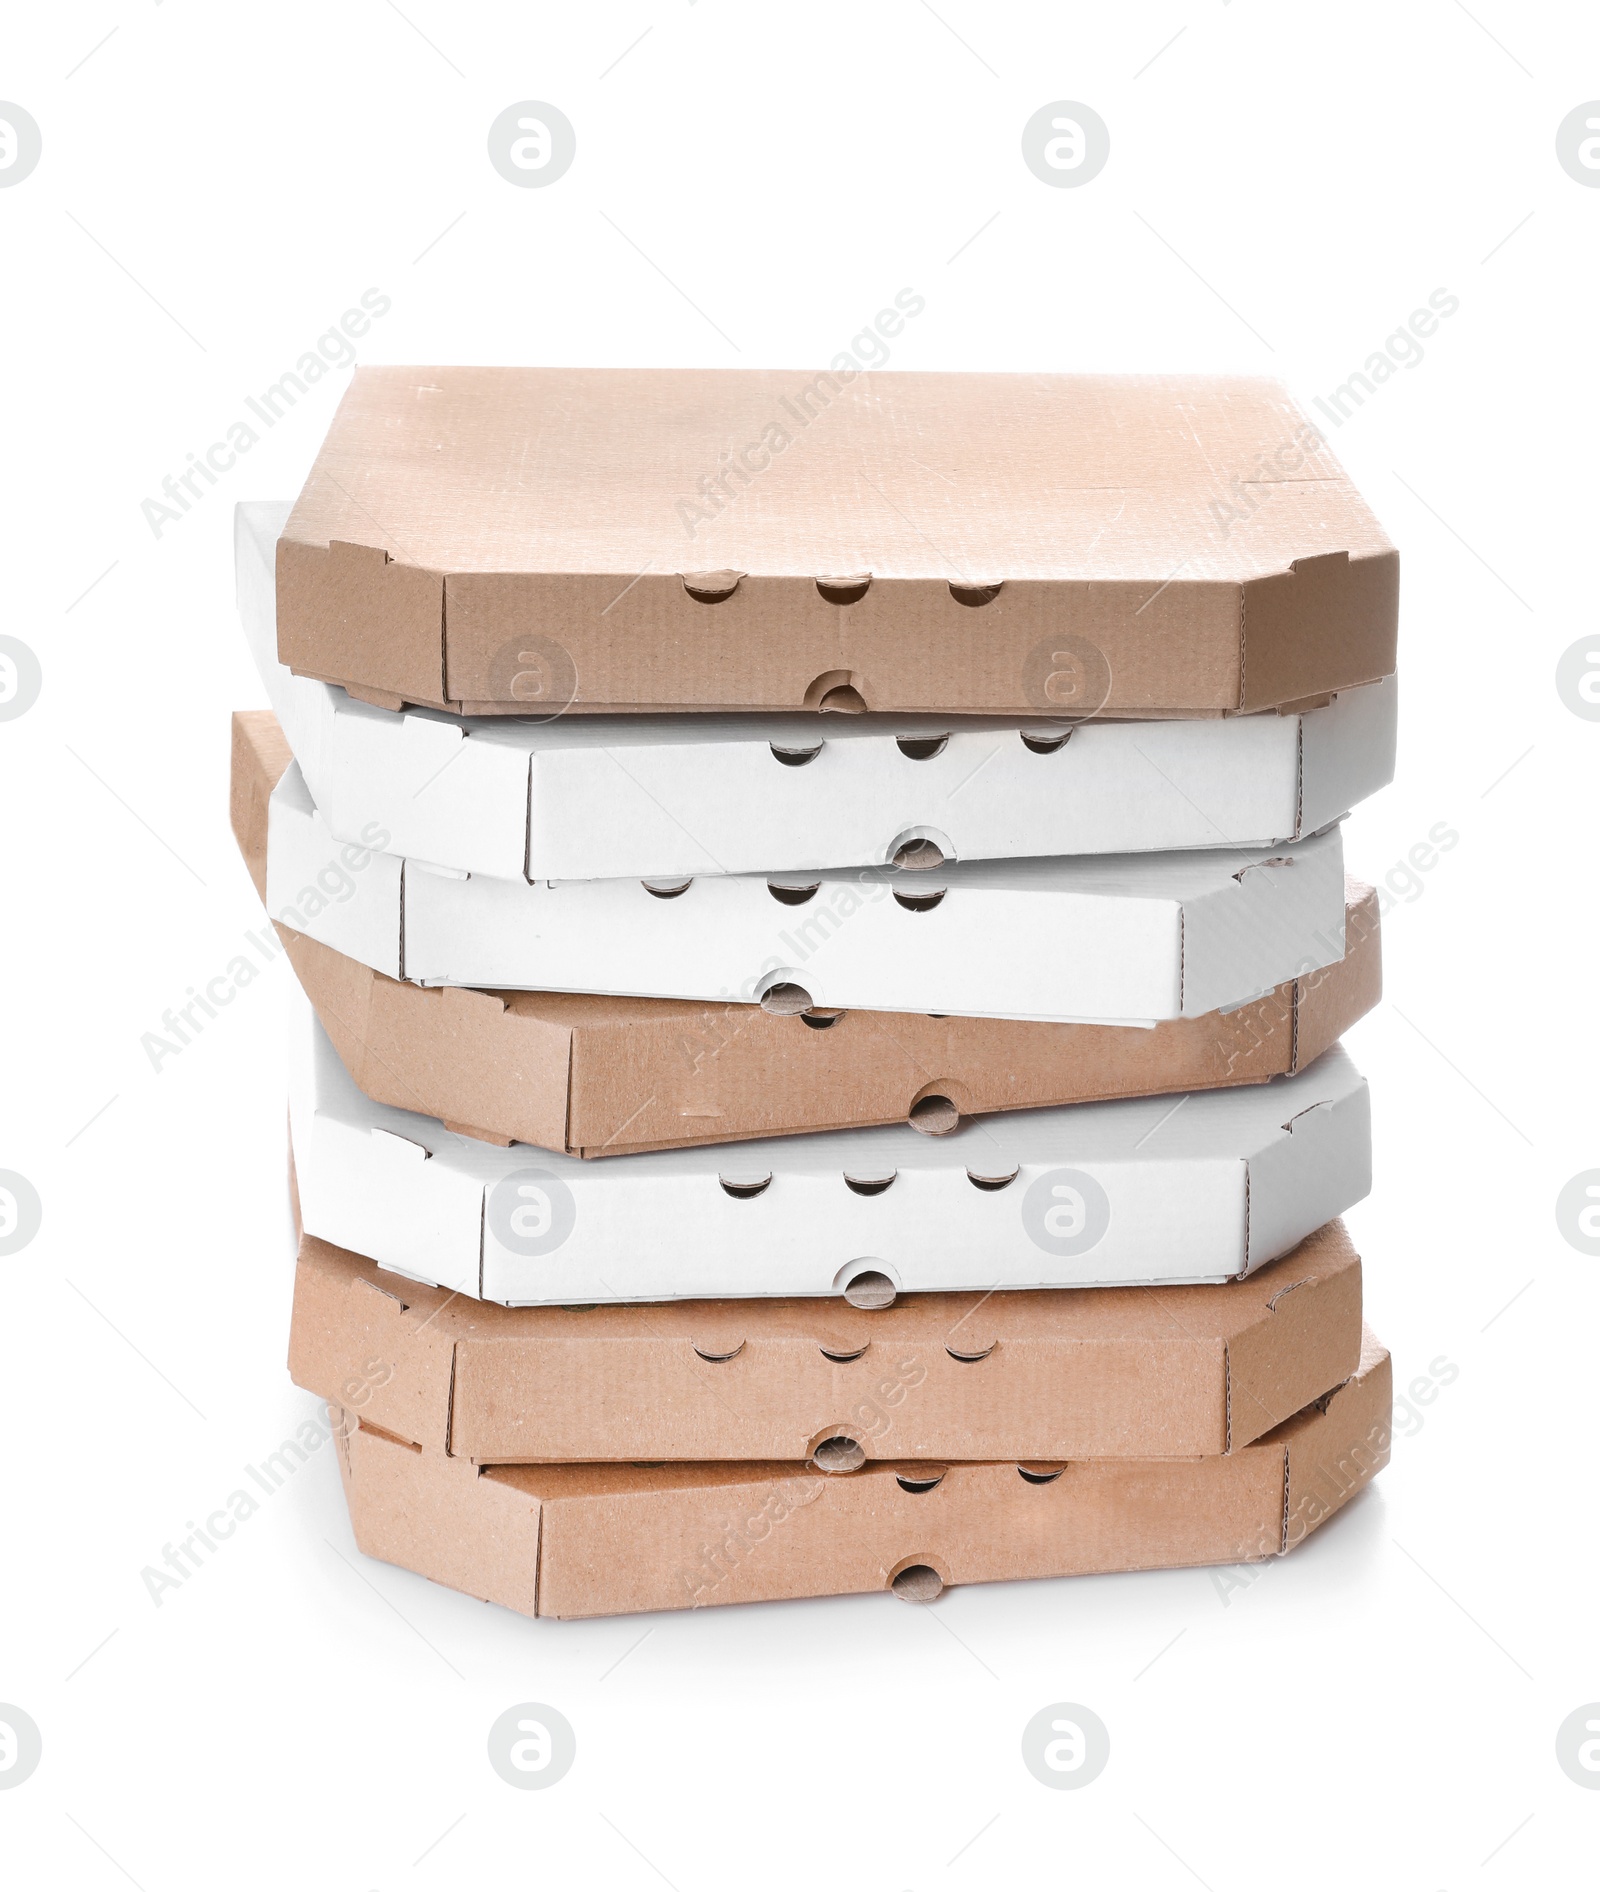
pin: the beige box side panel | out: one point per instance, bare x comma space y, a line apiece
371, 1349
1310, 1339
438, 1517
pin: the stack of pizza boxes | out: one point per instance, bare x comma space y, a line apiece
822, 938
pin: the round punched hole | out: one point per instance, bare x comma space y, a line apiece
869, 1290
1040, 1474
717, 1354
785, 998
845, 590
918, 1583
993, 1182
1044, 743
711, 587
970, 1356
844, 700
974, 595
920, 902
921, 748
667, 889
792, 896
579, 1307
820, 1021
934, 1116
918, 849
842, 1356
870, 1185
918, 1481
795, 758
743, 1191
839, 1454
648, 1464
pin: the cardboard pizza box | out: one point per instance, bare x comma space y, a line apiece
1040, 1376
509, 541
603, 1540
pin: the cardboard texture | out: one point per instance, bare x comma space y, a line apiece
652, 797
1139, 1191
602, 1540
592, 1076
1041, 1376
497, 540
1113, 939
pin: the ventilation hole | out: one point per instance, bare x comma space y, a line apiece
921, 748
974, 595
839, 1454
820, 1021
716, 1355
934, 1116
648, 1464
579, 1307
870, 1185
743, 1191
845, 700
792, 896
993, 1182
711, 587
795, 758
870, 1290
845, 590
918, 1583
1040, 1474
1041, 744
911, 1481
667, 889
842, 1356
917, 856
971, 1356
920, 902
785, 999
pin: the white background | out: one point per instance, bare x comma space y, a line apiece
1286, 184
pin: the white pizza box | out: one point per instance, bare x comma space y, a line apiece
647, 797
1101, 939
1158, 1190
